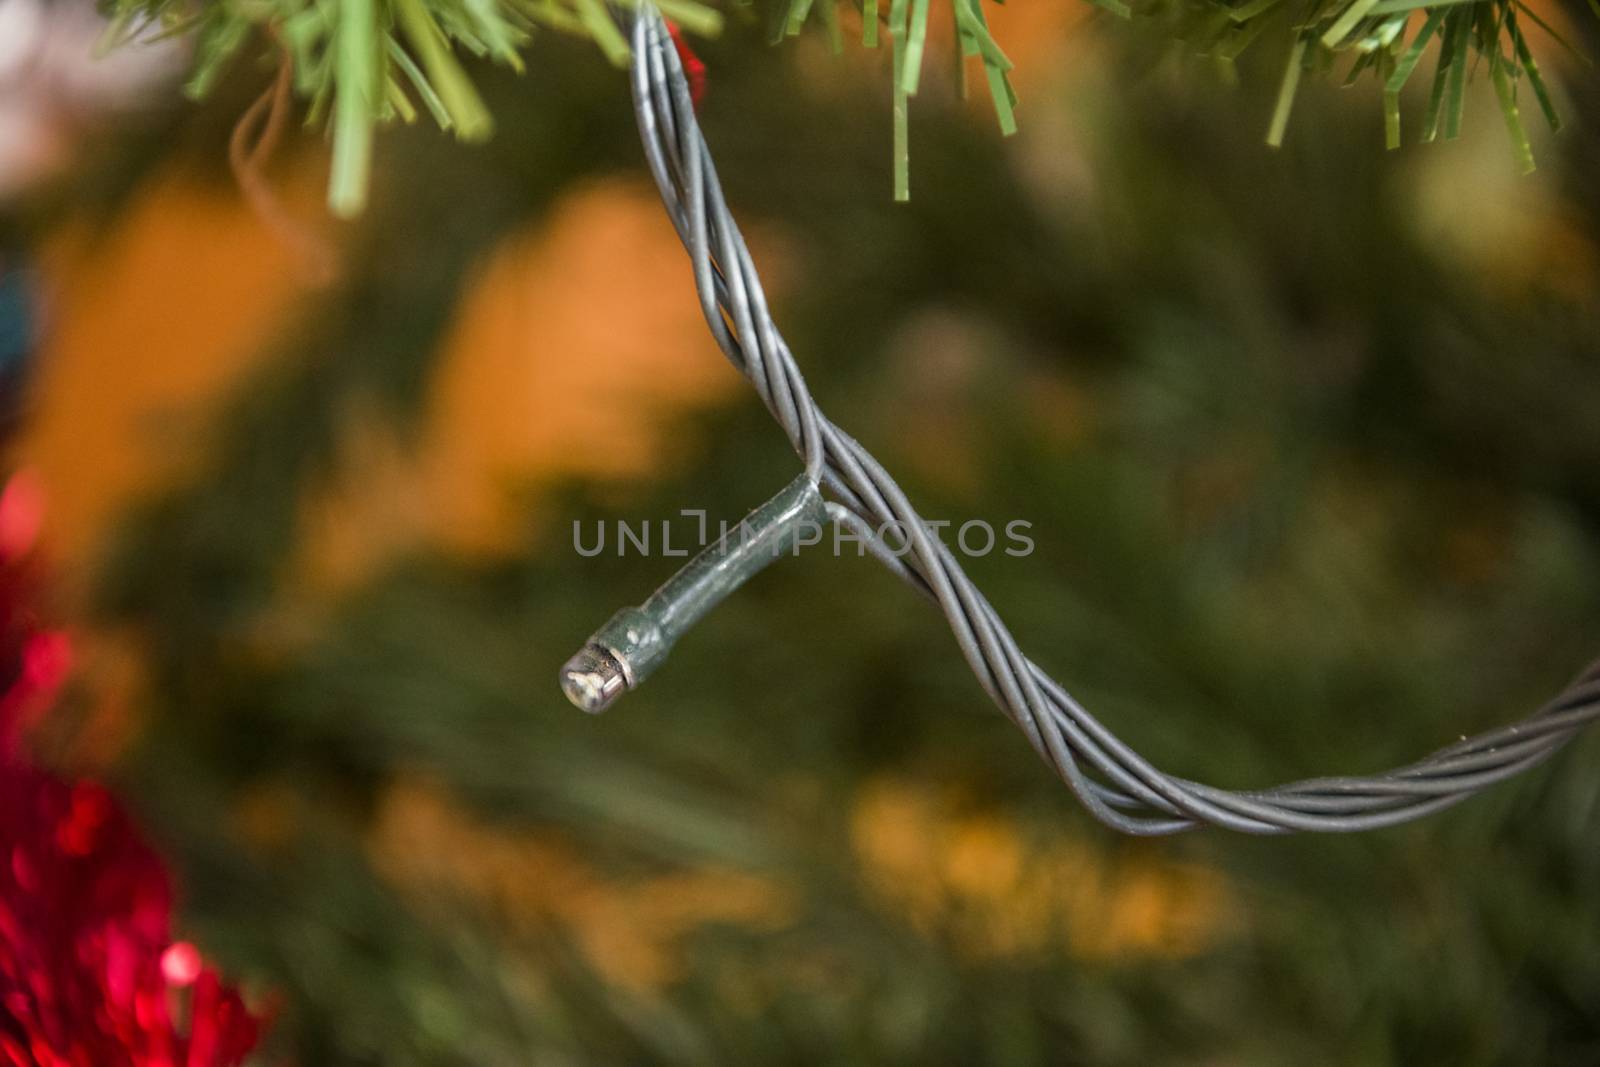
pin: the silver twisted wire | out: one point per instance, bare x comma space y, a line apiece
1119, 787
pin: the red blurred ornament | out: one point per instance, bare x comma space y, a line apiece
181, 964
90, 975
33, 660
85, 931
21, 515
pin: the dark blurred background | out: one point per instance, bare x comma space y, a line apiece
1307, 438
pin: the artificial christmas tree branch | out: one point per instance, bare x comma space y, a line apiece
359, 64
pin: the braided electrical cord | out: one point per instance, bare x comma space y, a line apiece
1117, 785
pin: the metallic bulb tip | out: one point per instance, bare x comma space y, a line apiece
593, 679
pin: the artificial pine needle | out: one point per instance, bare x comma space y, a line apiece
399, 102
1402, 73
1237, 38
1556, 35
356, 73
1541, 91
692, 16
218, 39
900, 117
798, 10
120, 29
911, 73
1363, 61
597, 20
830, 20
967, 39
1520, 147
430, 99
1455, 93
1453, 27
1286, 93
1391, 7
1346, 22
995, 66
468, 115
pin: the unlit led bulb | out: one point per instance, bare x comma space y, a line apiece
634, 641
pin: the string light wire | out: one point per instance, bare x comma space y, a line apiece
1118, 786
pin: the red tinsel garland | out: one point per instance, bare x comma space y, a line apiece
90, 975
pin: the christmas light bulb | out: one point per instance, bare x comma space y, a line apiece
634, 641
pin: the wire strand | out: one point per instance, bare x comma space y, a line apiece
1118, 786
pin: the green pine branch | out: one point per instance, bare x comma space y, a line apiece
359, 64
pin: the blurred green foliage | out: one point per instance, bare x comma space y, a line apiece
1312, 493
